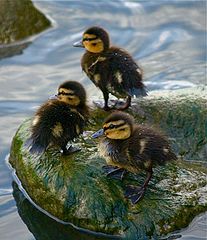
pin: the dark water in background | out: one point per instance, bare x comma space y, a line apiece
167, 38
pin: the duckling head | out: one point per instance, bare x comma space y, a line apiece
72, 93
117, 126
95, 40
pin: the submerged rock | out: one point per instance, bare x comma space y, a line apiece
74, 188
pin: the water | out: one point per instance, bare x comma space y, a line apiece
167, 38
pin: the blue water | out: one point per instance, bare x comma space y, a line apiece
167, 39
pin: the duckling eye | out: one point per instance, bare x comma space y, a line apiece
111, 126
66, 94
94, 44
89, 39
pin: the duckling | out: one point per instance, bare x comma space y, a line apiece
59, 120
111, 69
131, 147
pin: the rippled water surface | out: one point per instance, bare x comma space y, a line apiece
167, 38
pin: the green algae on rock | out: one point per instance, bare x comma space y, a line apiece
182, 114
20, 19
74, 188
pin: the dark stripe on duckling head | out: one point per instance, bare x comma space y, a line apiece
89, 39
114, 124
65, 92
100, 33
74, 89
93, 43
118, 125
68, 96
119, 131
119, 116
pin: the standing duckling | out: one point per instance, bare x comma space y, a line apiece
129, 146
111, 69
59, 120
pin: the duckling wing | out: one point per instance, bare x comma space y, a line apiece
148, 147
96, 68
39, 140
54, 124
125, 74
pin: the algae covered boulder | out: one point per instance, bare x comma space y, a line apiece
19, 20
75, 190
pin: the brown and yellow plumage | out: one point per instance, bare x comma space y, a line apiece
59, 120
132, 147
110, 68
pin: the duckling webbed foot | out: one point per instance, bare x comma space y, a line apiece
134, 193
114, 172
70, 150
102, 105
107, 108
121, 105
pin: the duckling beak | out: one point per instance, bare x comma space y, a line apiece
78, 44
53, 97
98, 133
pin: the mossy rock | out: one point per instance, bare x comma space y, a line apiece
20, 19
74, 188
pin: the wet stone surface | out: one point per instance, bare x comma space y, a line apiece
74, 188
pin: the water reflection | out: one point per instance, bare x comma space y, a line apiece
45, 228
11, 50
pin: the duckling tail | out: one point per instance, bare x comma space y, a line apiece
137, 92
37, 149
34, 146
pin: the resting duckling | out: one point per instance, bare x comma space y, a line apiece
111, 69
59, 120
132, 147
